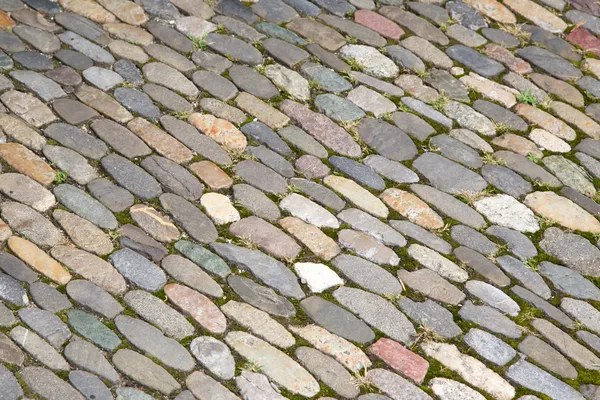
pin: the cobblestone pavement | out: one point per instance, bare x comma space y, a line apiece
289, 199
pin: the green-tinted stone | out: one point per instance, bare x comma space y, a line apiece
204, 258
325, 78
278, 32
337, 108
89, 327
570, 174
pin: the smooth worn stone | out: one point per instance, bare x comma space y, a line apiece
198, 306
141, 369
288, 80
421, 235
482, 265
318, 277
524, 166
222, 131
411, 207
446, 83
506, 180
259, 322
261, 297
538, 15
457, 151
386, 319
169, 77
29, 108
89, 385
47, 325
137, 240
454, 178
343, 351
371, 101
363, 34
173, 177
319, 193
21, 132
583, 312
562, 210
449, 205
170, 37
91, 267
504, 56
130, 176
318, 33
204, 387
405, 58
547, 141
214, 355
544, 306
545, 355
31, 224
39, 39
27, 191
110, 195
364, 222
466, 15
48, 298
83, 233
470, 369
328, 59
87, 48
338, 108
401, 359
284, 52
367, 247
471, 139
190, 218
94, 298
73, 112
429, 314
211, 62
7, 319
358, 171
427, 52
433, 12
465, 36
493, 297
312, 237
490, 89
357, 195
219, 208
325, 78
381, 86
85, 206
378, 23
275, 364
45, 88
415, 24
265, 236
565, 343
391, 170
73, 59
432, 260
549, 62
137, 102
233, 47
76, 139
505, 211
138, 269
427, 111
535, 378
311, 167
305, 209
102, 78
530, 279
150, 340
47, 385
12, 291
561, 89
473, 239
89, 327
215, 84
261, 177
167, 98
569, 281
261, 132
205, 259
75, 165
256, 202
489, 346
394, 385
224, 111
10, 386
327, 370
12, 266
577, 118
389, 141
448, 389
9, 42
265, 268
321, 128
103, 103
490, 319
65, 76
337, 320
475, 61
518, 144
249, 80
33, 60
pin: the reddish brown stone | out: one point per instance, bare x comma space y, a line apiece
378, 23
212, 175
197, 306
5, 20
504, 56
27, 162
401, 359
585, 40
165, 144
